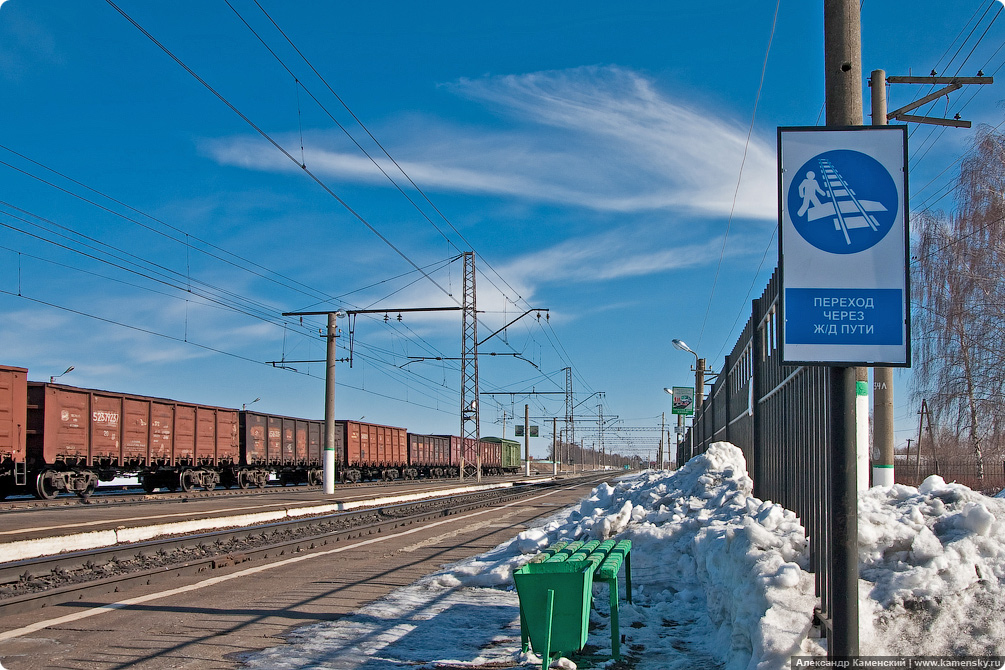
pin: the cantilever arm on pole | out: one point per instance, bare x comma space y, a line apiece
510, 324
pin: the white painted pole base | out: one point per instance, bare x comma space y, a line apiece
862, 434
329, 472
882, 476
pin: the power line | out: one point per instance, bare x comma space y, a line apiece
359, 217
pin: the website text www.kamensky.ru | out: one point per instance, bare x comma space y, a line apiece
900, 662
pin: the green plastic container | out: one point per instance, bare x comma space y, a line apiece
555, 603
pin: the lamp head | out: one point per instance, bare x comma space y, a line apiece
679, 344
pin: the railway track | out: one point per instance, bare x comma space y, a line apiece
134, 495
29, 585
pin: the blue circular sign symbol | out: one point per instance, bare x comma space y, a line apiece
842, 201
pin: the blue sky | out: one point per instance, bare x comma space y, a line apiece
591, 156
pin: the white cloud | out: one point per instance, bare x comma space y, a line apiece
613, 255
603, 138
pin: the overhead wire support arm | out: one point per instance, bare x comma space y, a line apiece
351, 313
511, 323
388, 310
416, 359
951, 84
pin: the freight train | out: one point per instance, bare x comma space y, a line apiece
56, 438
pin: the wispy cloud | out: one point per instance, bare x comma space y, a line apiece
603, 138
613, 255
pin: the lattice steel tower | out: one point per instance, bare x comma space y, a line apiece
470, 426
570, 419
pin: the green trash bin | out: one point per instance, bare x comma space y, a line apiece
555, 601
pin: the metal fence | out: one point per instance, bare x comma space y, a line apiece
778, 416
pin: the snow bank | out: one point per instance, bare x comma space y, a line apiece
933, 563
715, 569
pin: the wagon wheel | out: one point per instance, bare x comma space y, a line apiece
242, 479
45, 488
209, 483
186, 480
87, 491
148, 484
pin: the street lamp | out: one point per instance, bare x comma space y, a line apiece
699, 385
53, 378
699, 375
245, 405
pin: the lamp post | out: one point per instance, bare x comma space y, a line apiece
245, 405
53, 378
699, 386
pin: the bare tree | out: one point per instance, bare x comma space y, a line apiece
959, 302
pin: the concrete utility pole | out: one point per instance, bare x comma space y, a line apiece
328, 464
328, 472
843, 86
663, 431
526, 437
883, 470
882, 378
554, 447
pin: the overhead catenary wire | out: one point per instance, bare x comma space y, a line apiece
739, 177
397, 165
509, 296
265, 135
277, 145
273, 141
380, 168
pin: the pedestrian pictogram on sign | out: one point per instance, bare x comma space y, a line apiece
845, 201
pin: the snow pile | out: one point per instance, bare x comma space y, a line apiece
716, 569
933, 563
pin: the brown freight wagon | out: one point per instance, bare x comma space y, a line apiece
491, 457
288, 446
431, 456
370, 451
77, 436
13, 428
470, 452
489, 451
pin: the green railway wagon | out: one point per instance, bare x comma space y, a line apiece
511, 459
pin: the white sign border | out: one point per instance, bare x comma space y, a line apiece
895, 360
